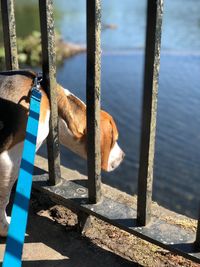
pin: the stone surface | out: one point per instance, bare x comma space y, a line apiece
53, 240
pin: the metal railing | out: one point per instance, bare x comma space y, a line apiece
49, 77
9, 34
127, 218
93, 99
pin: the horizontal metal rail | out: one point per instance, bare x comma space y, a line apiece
9, 34
93, 94
151, 74
49, 77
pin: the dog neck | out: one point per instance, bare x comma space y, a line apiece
73, 111
72, 122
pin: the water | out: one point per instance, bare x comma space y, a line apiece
181, 23
177, 168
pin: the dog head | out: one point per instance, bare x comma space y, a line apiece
73, 134
111, 154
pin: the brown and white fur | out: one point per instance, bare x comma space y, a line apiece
14, 109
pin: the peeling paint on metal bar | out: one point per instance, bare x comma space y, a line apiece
49, 76
93, 94
148, 133
9, 34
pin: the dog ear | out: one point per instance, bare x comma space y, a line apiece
115, 133
109, 135
73, 111
106, 139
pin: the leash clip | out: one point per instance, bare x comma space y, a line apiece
35, 91
37, 82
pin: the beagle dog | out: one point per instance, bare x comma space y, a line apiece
15, 89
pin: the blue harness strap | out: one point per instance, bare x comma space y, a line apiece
19, 215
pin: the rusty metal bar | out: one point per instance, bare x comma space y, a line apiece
93, 98
49, 77
9, 34
151, 76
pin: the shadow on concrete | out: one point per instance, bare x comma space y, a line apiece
64, 247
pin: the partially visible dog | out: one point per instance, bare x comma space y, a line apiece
14, 109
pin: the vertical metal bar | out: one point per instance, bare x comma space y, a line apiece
93, 98
198, 232
49, 76
151, 75
9, 34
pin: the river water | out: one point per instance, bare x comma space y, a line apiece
177, 160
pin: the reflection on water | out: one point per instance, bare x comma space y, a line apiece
177, 167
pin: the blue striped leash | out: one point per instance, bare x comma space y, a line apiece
19, 215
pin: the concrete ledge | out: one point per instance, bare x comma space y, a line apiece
167, 229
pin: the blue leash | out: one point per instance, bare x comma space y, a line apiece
19, 215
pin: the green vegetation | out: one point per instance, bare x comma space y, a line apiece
29, 49
29, 37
